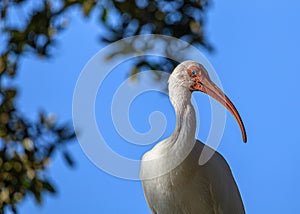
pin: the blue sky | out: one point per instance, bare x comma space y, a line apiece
257, 59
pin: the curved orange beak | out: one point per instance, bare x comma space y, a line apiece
207, 86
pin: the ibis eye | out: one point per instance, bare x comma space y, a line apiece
193, 72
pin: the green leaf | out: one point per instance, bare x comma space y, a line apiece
10, 93
87, 6
104, 15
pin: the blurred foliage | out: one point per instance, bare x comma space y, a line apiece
29, 28
183, 19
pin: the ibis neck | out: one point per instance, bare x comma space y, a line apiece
185, 115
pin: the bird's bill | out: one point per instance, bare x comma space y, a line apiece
215, 92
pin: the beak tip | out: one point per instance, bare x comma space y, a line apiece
245, 139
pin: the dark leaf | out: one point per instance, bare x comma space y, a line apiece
48, 187
69, 160
37, 196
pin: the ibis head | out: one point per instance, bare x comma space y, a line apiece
195, 77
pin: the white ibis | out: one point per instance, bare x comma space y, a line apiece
186, 187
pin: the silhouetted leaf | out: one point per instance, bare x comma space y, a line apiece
48, 187
68, 159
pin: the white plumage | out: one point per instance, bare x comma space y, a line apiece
172, 179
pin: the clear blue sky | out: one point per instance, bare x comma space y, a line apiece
257, 60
